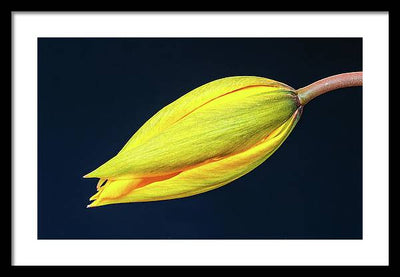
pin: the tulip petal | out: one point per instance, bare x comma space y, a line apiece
221, 127
196, 180
194, 99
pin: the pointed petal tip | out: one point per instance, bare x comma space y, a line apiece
92, 205
94, 197
95, 201
86, 175
89, 175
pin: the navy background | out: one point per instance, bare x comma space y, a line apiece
95, 93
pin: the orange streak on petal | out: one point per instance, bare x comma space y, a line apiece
119, 188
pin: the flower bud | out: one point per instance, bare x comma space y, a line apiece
205, 139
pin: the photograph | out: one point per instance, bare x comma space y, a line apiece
177, 138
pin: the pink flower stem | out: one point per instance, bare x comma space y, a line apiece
344, 80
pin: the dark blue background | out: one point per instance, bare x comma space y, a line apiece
95, 93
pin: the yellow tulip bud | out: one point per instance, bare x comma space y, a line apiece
207, 138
